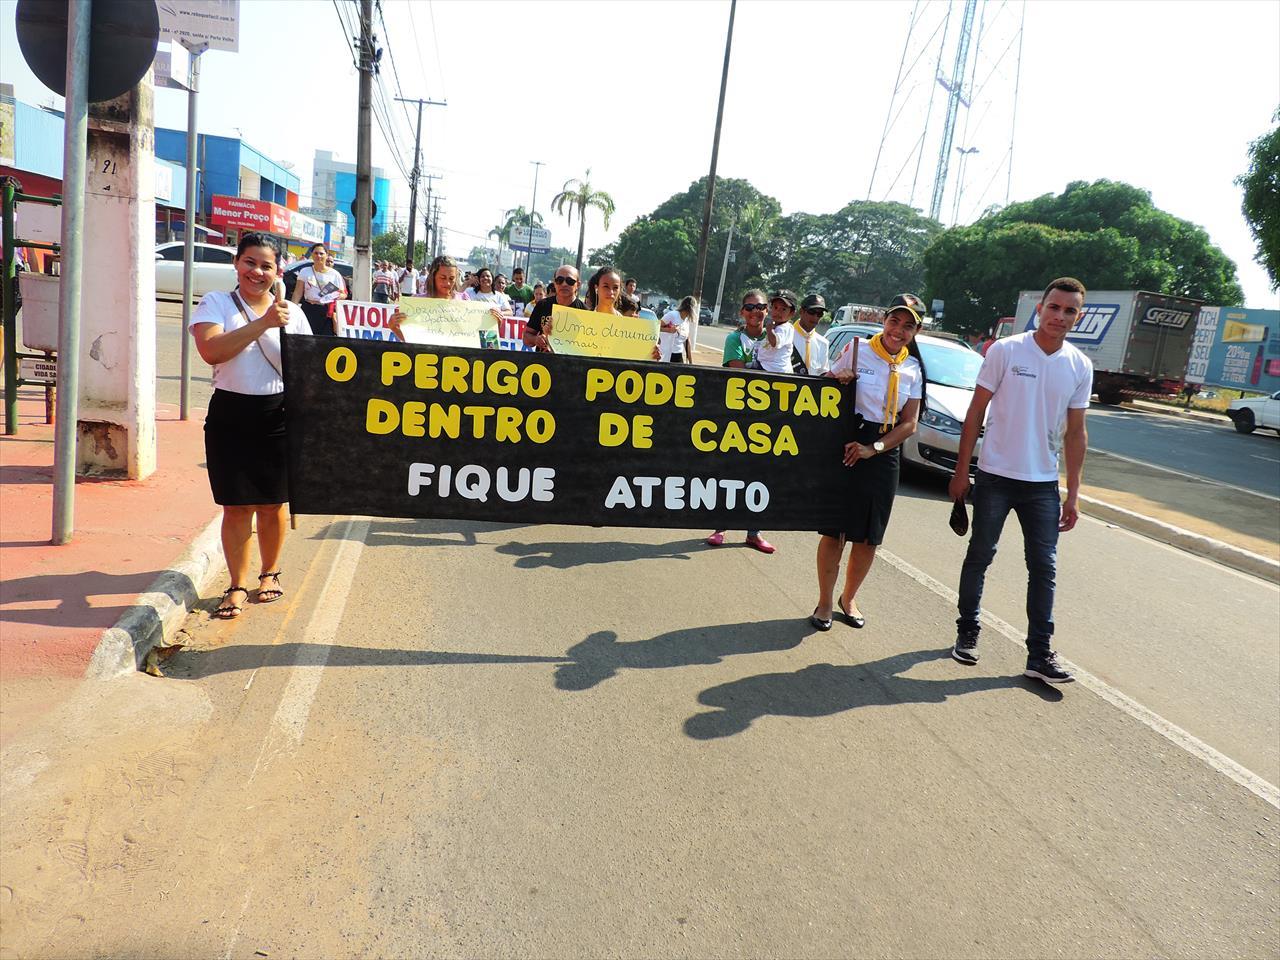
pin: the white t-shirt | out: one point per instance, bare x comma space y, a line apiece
254, 370
500, 300
408, 282
1033, 391
777, 359
814, 350
421, 290
873, 382
314, 283
670, 342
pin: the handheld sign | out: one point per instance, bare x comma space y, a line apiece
457, 323
586, 333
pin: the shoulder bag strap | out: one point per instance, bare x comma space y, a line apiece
244, 312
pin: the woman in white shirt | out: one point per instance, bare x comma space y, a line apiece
673, 341
318, 287
482, 289
238, 334
889, 392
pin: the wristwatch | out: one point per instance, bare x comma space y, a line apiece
878, 446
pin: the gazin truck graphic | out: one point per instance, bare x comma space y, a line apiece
1139, 342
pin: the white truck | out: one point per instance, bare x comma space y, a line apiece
1139, 342
1253, 412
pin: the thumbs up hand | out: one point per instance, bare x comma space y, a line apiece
278, 315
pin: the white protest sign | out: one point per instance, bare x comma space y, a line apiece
364, 321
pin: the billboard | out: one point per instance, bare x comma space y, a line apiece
520, 240
1237, 347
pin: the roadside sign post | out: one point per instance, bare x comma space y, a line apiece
189, 230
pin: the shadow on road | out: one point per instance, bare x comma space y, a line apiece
823, 689
197, 664
419, 533
563, 556
601, 656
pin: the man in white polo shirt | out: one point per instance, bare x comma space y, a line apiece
1034, 382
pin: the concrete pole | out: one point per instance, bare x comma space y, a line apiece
362, 278
189, 233
74, 162
116, 425
715, 155
533, 205
724, 270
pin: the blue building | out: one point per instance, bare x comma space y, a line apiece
333, 186
230, 167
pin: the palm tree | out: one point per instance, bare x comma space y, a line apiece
577, 194
519, 217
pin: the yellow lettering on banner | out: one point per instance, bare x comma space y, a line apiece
507, 427
502, 378
413, 419
784, 388
445, 419
806, 403
340, 364
758, 394
535, 381
684, 391
478, 415
381, 417
615, 429
733, 391
697, 435
540, 426
394, 364
758, 438
426, 371
598, 381
631, 386
831, 402
453, 375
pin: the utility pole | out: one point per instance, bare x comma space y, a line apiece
426, 221
189, 228
362, 280
417, 170
724, 269
528, 254
715, 155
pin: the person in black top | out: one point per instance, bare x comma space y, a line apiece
538, 328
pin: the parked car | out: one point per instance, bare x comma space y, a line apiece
704, 316
1253, 412
647, 314
952, 371
211, 269
291, 274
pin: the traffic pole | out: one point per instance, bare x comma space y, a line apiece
715, 155
189, 233
362, 279
75, 148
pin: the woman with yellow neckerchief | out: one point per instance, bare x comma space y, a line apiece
888, 397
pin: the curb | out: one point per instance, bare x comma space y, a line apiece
1215, 419
1224, 553
158, 612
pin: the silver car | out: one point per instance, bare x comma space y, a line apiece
952, 371
211, 269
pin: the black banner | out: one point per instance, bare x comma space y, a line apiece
411, 430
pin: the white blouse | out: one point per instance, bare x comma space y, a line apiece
255, 370
314, 282
873, 382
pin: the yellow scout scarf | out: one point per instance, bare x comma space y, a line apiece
891, 393
805, 337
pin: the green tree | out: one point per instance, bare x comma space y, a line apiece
656, 252
866, 252
1261, 203
390, 246
1108, 234
579, 195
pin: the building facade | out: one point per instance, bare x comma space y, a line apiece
333, 188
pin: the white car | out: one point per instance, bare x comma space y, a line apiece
952, 371
211, 269
1256, 412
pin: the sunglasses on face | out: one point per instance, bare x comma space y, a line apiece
814, 313
564, 280
754, 307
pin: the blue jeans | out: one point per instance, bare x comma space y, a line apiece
1036, 504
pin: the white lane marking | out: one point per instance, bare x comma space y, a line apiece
317, 640
1171, 732
1257, 456
235, 930
1184, 473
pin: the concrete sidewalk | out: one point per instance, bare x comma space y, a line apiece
58, 602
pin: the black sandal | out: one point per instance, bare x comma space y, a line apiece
229, 611
272, 593
818, 622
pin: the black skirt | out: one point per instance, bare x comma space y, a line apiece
318, 318
245, 449
872, 485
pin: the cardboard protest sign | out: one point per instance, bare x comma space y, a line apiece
585, 333
457, 323
363, 321
424, 431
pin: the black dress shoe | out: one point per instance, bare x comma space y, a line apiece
858, 622
818, 622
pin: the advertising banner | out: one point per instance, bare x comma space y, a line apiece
1242, 352
536, 438
243, 213
585, 333
364, 321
